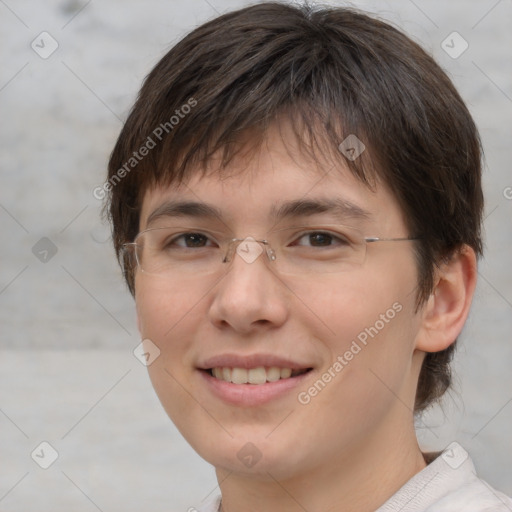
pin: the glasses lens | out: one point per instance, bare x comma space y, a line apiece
318, 250
177, 251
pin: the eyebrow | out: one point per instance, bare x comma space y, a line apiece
340, 208
184, 209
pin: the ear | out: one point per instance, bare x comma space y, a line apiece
446, 310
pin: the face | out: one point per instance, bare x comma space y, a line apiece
347, 337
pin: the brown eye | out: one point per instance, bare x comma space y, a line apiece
321, 239
195, 240
190, 241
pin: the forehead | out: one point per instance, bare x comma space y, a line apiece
270, 181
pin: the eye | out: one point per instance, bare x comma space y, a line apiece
189, 241
322, 239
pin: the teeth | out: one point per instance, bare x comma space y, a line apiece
226, 374
258, 375
285, 373
273, 374
239, 376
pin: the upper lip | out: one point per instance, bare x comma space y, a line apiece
250, 361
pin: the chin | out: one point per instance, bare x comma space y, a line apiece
257, 456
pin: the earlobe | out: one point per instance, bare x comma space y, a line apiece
448, 306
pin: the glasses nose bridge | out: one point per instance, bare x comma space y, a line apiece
249, 249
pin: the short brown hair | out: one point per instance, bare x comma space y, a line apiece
332, 72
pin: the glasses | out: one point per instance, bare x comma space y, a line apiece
176, 252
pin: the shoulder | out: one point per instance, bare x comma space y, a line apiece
475, 496
448, 484
461, 488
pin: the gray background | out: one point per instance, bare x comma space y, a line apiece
67, 372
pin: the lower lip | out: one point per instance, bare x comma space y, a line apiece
251, 394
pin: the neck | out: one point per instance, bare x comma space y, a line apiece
359, 479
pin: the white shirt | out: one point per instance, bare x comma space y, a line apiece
448, 484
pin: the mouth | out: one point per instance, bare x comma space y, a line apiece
250, 380
254, 384
259, 375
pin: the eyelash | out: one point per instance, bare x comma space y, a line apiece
297, 238
173, 240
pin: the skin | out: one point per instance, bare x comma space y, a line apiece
353, 445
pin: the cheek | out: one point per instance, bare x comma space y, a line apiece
357, 307
370, 346
370, 313
161, 311
366, 376
167, 318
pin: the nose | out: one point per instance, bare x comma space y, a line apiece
250, 297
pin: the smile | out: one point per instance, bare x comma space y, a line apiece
259, 375
249, 380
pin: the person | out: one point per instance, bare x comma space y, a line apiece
296, 204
